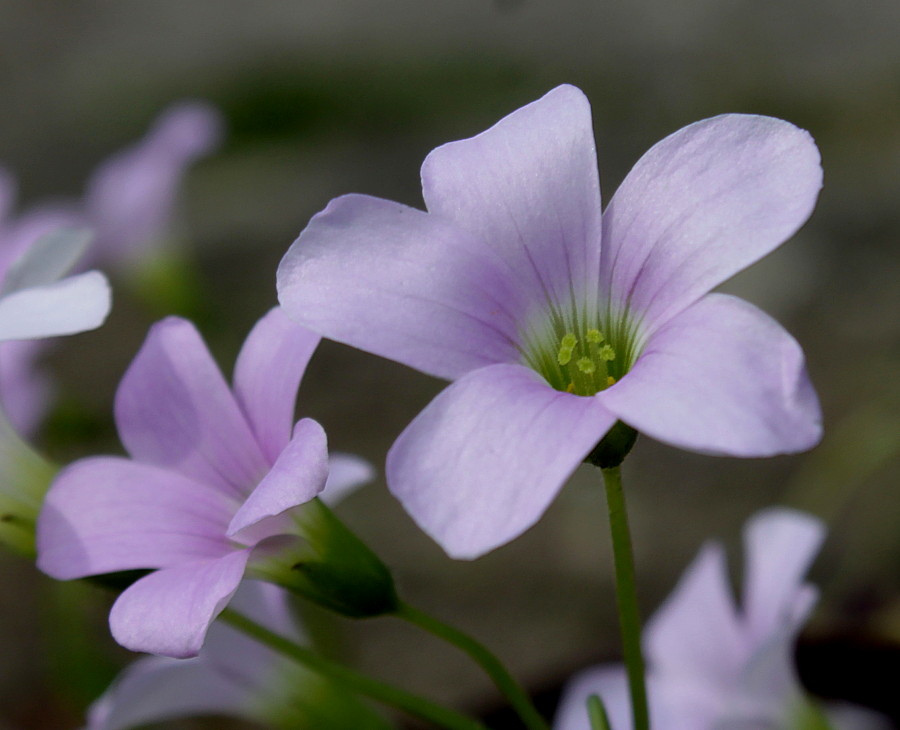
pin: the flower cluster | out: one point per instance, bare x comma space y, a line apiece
565, 329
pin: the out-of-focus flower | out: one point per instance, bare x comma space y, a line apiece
26, 390
131, 198
555, 323
711, 665
36, 300
37, 250
213, 473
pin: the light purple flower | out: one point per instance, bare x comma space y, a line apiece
131, 197
553, 322
710, 664
213, 472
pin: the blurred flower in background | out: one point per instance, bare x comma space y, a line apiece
714, 665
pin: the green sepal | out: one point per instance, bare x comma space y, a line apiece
330, 566
25, 477
613, 447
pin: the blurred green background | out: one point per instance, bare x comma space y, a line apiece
323, 98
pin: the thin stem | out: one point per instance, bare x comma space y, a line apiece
626, 596
492, 666
414, 705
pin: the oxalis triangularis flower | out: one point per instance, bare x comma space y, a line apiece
214, 481
555, 322
717, 665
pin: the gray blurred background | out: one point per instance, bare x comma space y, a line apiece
323, 98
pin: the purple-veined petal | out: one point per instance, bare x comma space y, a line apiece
75, 304
168, 612
721, 378
701, 205
695, 633
174, 409
106, 513
346, 473
298, 475
482, 462
266, 377
780, 545
528, 187
400, 283
155, 689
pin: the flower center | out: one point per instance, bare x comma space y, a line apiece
580, 358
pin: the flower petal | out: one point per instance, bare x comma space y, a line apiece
47, 259
174, 409
154, 689
402, 284
298, 475
780, 545
169, 611
105, 514
701, 205
721, 378
131, 196
26, 389
346, 473
266, 377
71, 305
46, 219
529, 188
695, 638
482, 462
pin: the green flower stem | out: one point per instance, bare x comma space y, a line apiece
492, 666
597, 713
626, 596
414, 705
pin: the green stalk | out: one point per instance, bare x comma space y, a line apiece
626, 596
482, 656
413, 705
